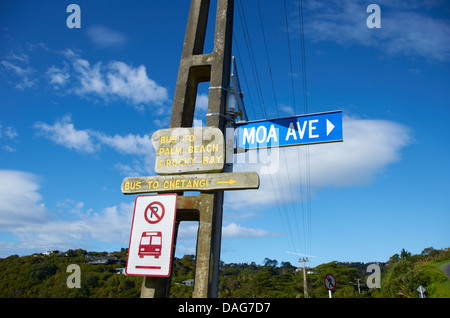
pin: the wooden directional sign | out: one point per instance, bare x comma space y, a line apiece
189, 150
193, 182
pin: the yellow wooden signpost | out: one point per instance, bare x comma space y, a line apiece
189, 150
191, 182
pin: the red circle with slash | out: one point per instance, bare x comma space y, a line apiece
330, 282
156, 211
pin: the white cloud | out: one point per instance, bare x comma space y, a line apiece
188, 231
133, 84
104, 37
63, 133
23, 215
112, 81
58, 77
26, 74
8, 132
201, 102
288, 110
129, 144
8, 148
415, 34
21, 57
90, 78
115, 80
111, 225
187, 235
71, 206
234, 230
369, 147
20, 202
87, 230
406, 29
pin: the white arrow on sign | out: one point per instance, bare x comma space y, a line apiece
330, 127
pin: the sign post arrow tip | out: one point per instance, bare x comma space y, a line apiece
330, 127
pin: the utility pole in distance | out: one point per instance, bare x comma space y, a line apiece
304, 259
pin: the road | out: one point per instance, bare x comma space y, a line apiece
446, 269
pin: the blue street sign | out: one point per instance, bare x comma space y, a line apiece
290, 131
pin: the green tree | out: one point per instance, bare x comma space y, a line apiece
41, 271
404, 254
345, 280
411, 271
270, 262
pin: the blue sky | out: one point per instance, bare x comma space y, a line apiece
78, 108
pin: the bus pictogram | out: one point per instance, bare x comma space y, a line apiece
150, 244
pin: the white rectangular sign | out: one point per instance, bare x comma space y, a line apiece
151, 239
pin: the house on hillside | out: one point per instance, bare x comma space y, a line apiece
51, 252
104, 260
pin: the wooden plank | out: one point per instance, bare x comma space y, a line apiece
193, 182
189, 150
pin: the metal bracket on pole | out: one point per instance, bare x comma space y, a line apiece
219, 114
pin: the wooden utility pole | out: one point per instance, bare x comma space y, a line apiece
197, 67
304, 259
305, 285
359, 289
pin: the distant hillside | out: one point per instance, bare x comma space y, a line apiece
41, 275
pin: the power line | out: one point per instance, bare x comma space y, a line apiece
302, 42
244, 75
305, 108
283, 210
276, 108
251, 57
267, 56
278, 191
294, 207
290, 58
296, 111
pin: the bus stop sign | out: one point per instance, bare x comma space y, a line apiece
151, 239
